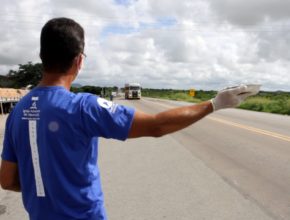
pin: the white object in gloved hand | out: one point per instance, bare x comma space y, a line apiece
230, 97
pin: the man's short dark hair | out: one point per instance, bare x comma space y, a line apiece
62, 39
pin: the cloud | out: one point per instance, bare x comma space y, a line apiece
242, 12
162, 44
267, 19
274, 45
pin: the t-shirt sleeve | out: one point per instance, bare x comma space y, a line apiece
106, 119
8, 152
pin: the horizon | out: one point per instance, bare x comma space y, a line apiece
274, 91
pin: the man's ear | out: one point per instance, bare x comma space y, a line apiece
79, 61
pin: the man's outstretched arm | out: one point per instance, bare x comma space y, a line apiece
178, 118
168, 121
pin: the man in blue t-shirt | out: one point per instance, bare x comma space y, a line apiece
51, 139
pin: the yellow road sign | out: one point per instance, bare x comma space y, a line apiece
192, 92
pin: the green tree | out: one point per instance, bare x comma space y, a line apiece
5, 82
91, 89
27, 74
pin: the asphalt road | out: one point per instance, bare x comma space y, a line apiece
232, 164
249, 151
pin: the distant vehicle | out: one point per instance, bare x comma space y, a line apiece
132, 91
113, 94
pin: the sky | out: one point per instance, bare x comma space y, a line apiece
201, 44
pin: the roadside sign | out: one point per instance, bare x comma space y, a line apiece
192, 92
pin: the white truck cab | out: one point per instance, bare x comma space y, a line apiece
132, 91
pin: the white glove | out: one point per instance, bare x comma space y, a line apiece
230, 97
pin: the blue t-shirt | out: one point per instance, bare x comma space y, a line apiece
52, 134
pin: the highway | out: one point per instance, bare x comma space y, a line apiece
249, 151
233, 164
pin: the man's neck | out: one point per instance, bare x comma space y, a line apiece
53, 79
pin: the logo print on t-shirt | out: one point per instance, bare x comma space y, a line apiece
53, 126
105, 103
32, 113
33, 106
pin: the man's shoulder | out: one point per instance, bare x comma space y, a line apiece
57, 95
84, 98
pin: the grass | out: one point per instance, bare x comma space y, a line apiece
272, 102
263, 104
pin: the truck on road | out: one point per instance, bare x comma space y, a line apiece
132, 91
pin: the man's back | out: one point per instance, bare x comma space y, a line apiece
56, 148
